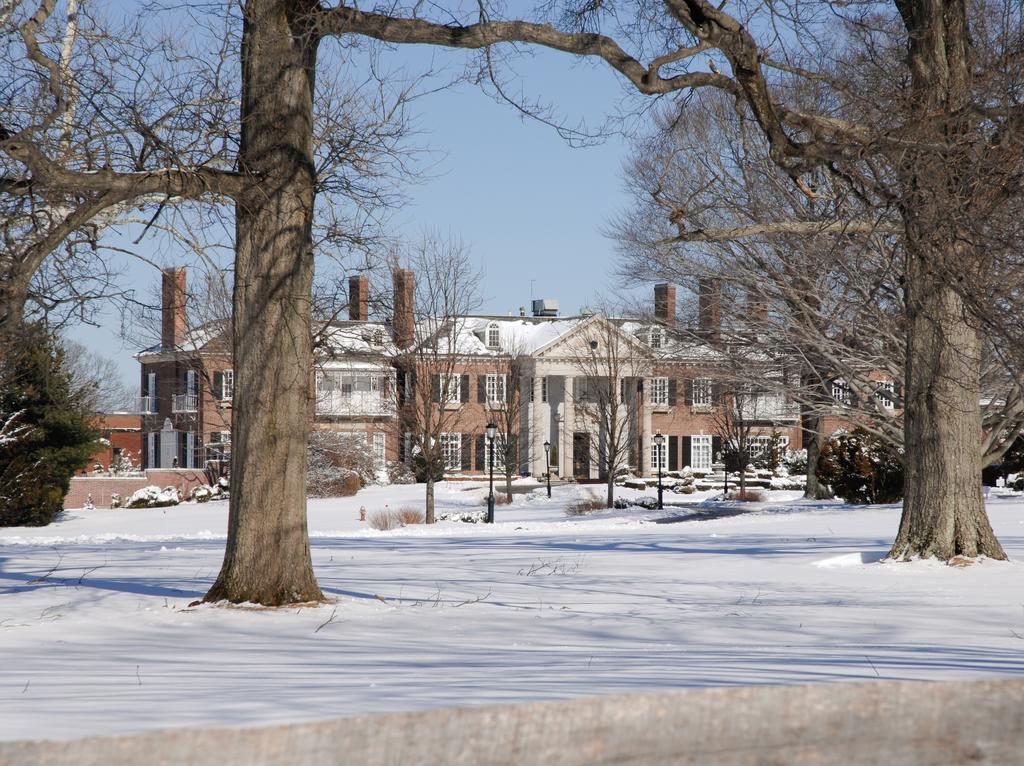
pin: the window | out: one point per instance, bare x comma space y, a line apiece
763, 445
495, 389
544, 388
190, 449
700, 453
228, 386
499, 453
493, 335
702, 392
451, 451
451, 389
151, 456
659, 391
191, 382
378, 447
840, 391
885, 387
346, 384
659, 456
656, 337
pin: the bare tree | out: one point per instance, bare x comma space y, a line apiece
508, 369
432, 384
98, 379
604, 396
173, 130
912, 107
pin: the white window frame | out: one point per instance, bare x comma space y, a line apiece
190, 449
227, 385
659, 453
191, 382
151, 456
451, 451
451, 388
659, 391
762, 443
702, 394
499, 454
380, 447
494, 386
656, 337
700, 453
840, 392
886, 387
493, 335
544, 388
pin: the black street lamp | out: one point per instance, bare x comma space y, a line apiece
547, 464
492, 431
659, 440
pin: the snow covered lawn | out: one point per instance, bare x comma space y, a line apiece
97, 635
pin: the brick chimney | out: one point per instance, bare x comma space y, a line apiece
172, 308
359, 298
756, 308
665, 302
402, 323
709, 302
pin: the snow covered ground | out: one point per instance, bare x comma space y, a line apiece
97, 636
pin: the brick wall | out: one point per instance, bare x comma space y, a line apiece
100, 488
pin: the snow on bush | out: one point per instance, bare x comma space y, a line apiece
340, 464
467, 517
153, 497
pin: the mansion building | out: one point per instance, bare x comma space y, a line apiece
665, 380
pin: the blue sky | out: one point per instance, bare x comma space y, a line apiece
531, 208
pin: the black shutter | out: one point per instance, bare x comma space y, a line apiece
464, 389
218, 385
532, 383
512, 453
673, 452
481, 389
688, 389
686, 459
155, 457
400, 385
672, 385
145, 383
508, 382
467, 452
480, 453
182, 461
716, 447
623, 388
716, 394
435, 389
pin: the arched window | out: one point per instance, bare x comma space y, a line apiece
493, 335
656, 337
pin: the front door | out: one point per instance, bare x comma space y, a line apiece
581, 455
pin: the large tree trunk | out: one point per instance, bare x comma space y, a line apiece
267, 560
811, 424
943, 508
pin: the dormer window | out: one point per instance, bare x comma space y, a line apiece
493, 335
656, 337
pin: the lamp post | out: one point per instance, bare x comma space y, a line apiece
547, 465
492, 431
659, 440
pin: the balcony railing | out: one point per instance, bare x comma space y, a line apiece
355, 404
148, 404
185, 403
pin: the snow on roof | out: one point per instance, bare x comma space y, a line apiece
357, 337
516, 335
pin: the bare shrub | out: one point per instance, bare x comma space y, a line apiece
339, 464
382, 520
746, 496
584, 507
406, 516
498, 500
395, 517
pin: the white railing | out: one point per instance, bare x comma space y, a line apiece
769, 407
185, 403
355, 404
148, 404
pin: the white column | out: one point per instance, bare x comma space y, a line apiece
568, 427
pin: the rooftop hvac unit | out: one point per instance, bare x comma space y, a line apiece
545, 307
